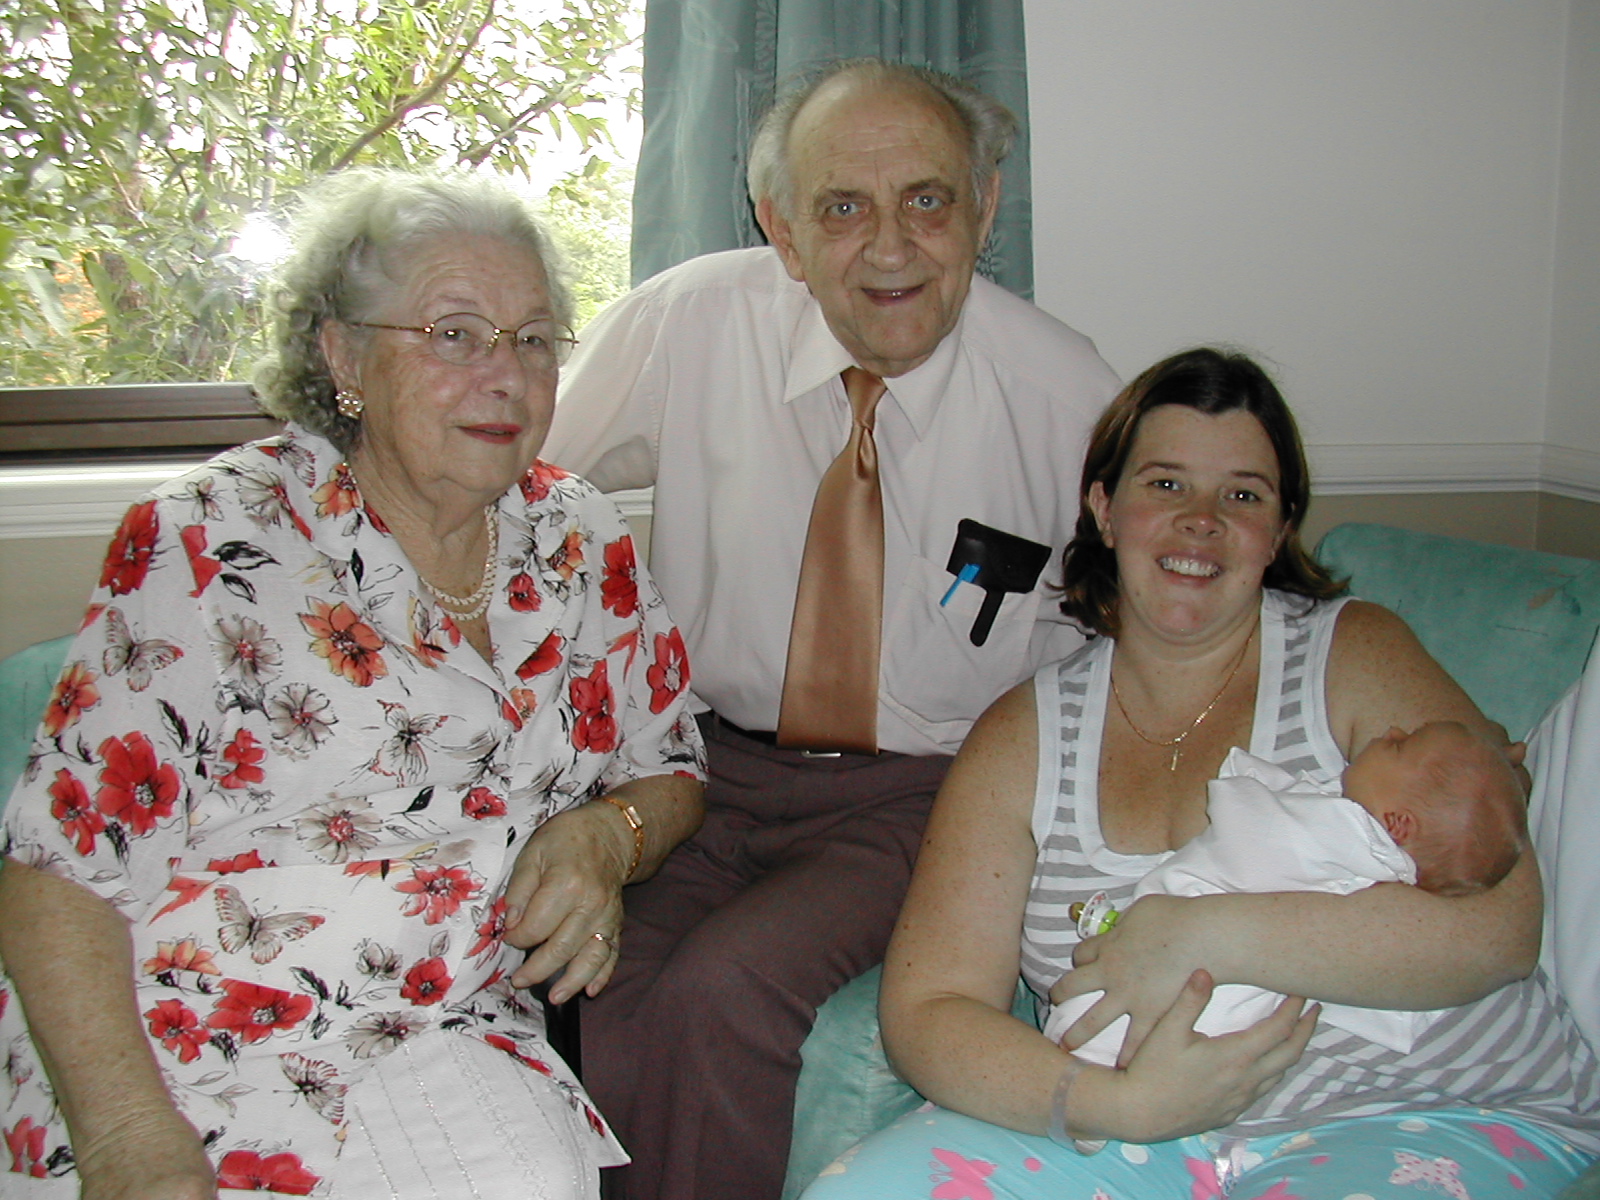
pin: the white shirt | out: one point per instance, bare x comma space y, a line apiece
1271, 831
718, 381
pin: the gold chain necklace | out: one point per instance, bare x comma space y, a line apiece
1177, 743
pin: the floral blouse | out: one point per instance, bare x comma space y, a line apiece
284, 765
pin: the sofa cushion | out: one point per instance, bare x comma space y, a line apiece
26, 680
1512, 626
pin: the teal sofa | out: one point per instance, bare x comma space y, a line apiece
1514, 627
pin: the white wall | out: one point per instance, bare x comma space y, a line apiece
1364, 192
1573, 424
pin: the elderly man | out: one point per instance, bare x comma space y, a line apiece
817, 418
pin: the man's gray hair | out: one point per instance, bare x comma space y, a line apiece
351, 238
989, 125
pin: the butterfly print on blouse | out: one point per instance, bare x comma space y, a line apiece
125, 652
264, 934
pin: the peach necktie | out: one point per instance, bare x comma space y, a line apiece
830, 683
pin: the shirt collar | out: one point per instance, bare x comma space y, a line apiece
816, 357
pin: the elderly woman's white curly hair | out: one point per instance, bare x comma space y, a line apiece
350, 237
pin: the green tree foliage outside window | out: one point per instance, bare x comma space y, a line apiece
138, 140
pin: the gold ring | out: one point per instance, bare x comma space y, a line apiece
602, 938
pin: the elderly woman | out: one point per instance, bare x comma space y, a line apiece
355, 711
1215, 630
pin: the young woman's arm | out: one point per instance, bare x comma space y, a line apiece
952, 967
1389, 946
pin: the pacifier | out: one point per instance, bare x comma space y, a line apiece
1094, 915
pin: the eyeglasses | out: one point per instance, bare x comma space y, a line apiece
466, 339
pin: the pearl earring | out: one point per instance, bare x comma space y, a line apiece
349, 403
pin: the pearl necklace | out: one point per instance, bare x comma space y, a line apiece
1177, 743
461, 608
473, 605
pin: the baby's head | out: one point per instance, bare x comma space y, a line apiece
1449, 798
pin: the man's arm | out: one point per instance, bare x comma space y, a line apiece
607, 422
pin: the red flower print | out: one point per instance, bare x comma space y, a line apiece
128, 559
245, 753
254, 1012
519, 706
338, 495
524, 596
536, 483
186, 955
136, 789
566, 561
619, 590
501, 1042
248, 1171
74, 694
436, 892
546, 658
669, 674
595, 1123
481, 804
204, 568
70, 804
248, 861
348, 643
26, 1142
174, 1024
189, 890
427, 982
491, 929
596, 728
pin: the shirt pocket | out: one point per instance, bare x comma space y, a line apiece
932, 673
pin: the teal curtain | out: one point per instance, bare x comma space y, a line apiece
710, 70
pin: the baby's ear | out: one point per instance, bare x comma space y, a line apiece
1516, 752
1402, 826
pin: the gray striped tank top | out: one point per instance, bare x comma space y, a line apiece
1516, 1050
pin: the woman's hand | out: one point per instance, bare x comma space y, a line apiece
564, 900
1142, 964
566, 886
1181, 1082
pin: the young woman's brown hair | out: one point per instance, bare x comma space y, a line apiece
1212, 382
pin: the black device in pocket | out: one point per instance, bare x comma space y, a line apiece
996, 561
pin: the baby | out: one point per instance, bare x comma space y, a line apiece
1440, 808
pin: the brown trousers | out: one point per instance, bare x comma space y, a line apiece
789, 890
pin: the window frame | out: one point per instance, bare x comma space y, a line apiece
119, 421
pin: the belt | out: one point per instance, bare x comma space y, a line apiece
765, 736
768, 738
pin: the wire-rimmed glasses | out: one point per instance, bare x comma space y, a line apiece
466, 339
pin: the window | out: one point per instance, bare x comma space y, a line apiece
150, 149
